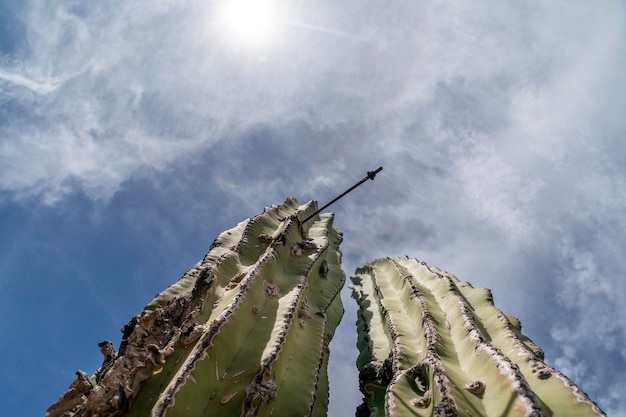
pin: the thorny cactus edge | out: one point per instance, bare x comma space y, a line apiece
431, 345
245, 332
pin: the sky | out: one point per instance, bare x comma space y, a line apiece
132, 133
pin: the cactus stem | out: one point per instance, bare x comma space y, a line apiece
234, 335
451, 352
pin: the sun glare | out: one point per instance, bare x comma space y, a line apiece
249, 21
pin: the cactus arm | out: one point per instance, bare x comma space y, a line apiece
283, 324
245, 328
452, 351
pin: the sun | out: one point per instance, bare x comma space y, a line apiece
249, 21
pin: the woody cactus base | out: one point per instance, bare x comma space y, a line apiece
243, 333
431, 345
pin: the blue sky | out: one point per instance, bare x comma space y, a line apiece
132, 133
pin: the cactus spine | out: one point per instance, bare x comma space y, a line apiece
432, 345
244, 332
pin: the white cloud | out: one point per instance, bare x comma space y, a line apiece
144, 76
42, 87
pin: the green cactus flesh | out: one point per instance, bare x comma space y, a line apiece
245, 332
431, 345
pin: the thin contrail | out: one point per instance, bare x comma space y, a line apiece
320, 29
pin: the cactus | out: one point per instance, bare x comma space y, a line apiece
432, 345
244, 332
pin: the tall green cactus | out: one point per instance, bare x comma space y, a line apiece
244, 332
431, 345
